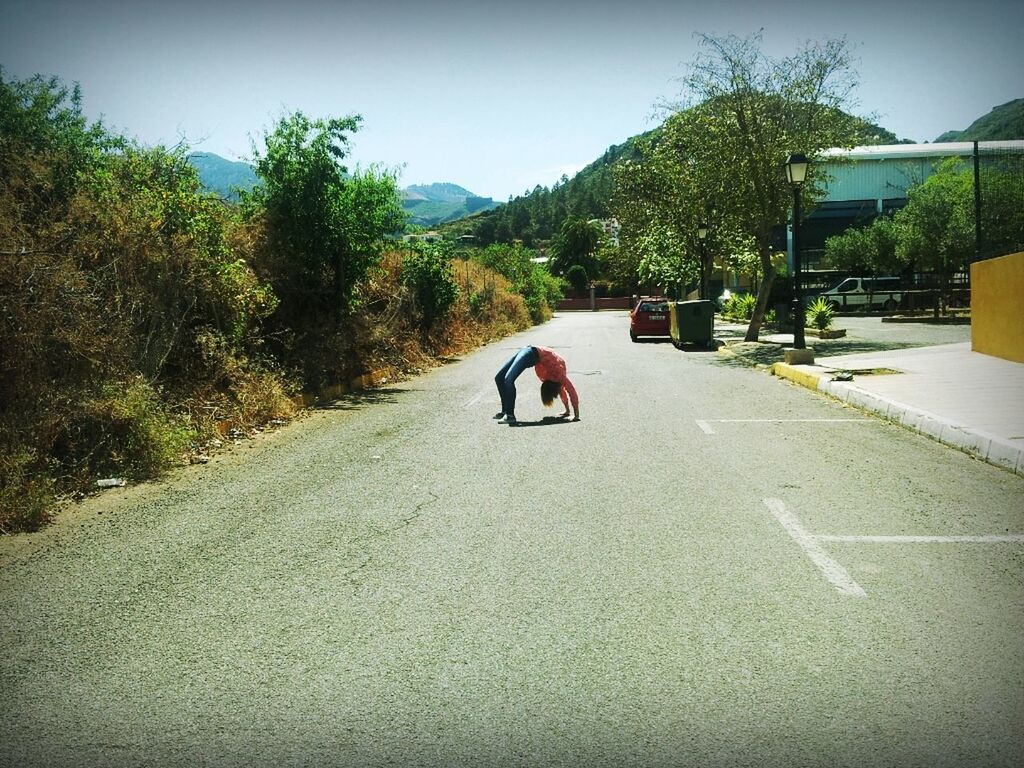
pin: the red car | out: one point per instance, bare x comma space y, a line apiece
649, 318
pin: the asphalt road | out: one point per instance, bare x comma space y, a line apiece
399, 580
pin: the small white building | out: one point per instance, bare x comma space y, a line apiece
610, 227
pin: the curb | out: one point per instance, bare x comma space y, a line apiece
981, 445
366, 381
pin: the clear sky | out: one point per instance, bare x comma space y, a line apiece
494, 96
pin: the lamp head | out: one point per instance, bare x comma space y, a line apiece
796, 169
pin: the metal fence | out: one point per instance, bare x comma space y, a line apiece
998, 196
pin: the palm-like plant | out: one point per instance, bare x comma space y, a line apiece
820, 313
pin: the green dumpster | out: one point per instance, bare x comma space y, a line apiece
692, 322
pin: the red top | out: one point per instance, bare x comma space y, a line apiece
551, 367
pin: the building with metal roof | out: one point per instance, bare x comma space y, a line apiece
865, 182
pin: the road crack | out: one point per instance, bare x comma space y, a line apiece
351, 574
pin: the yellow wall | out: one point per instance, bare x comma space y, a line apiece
997, 307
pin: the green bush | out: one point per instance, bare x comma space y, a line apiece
26, 493
819, 313
427, 273
534, 282
541, 291
577, 277
124, 431
739, 306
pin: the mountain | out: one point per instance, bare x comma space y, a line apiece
438, 192
1003, 123
223, 176
427, 204
537, 216
431, 204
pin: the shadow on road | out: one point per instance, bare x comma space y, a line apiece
545, 422
760, 353
357, 400
858, 346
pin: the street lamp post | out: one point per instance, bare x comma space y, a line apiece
796, 172
702, 233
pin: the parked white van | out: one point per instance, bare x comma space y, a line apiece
865, 292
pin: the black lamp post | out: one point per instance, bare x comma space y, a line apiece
702, 233
796, 172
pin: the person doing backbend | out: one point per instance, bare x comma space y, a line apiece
550, 369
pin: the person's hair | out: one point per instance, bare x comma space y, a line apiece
549, 391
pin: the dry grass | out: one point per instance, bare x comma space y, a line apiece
130, 428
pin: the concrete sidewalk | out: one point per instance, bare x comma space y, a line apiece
965, 399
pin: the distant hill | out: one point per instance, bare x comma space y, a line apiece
427, 204
431, 204
1003, 123
438, 192
223, 176
536, 217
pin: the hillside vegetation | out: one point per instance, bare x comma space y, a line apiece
140, 315
537, 216
1003, 123
427, 205
222, 176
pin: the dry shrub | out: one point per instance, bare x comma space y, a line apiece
385, 328
26, 492
124, 430
137, 312
260, 397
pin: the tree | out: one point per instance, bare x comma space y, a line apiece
323, 224
935, 232
576, 244
649, 203
577, 277
41, 117
870, 249
662, 200
427, 273
936, 228
752, 112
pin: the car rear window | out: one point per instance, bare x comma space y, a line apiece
651, 306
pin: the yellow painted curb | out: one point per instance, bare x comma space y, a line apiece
803, 378
367, 380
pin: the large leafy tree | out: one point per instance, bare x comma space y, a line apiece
576, 245
723, 153
870, 249
325, 226
663, 199
936, 228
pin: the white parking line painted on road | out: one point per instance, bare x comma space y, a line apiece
1011, 538
705, 424
832, 570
